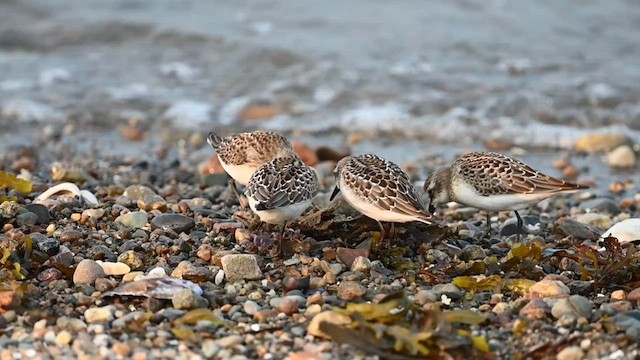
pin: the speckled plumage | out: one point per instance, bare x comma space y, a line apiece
280, 190
379, 189
242, 154
493, 182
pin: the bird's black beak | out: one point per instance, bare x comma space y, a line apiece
431, 208
336, 190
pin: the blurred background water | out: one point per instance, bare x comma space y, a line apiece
407, 79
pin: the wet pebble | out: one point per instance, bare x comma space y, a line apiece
176, 222
99, 314
350, 290
451, 291
361, 264
50, 274
137, 192
251, 307
152, 202
548, 289
473, 252
569, 227
535, 309
9, 209
134, 219
186, 299
131, 259
186, 270
40, 210
570, 353
27, 219
347, 255
70, 236
87, 272
576, 306
45, 244
595, 219
240, 266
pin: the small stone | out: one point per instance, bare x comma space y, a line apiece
251, 307
176, 222
569, 227
122, 349
204, 252
596, 220
99, 314
450, 290
361, 264
132, 259
93, 213
634, 295
209, 348
63, 338
473, 252
229, 341
288, 306
625, 231
70, 236
40, 210
116, 269
186, 270
242, 236
137, 192
241, 267
436, 256
87, 272
51, 274
548, 289
347, 256
331, 317
575, 306
103, 285
76, 217
570, 353
535, 309
134, 219
425, 297
601, 205
9, 209
349, 290
619, 295
186, 299
264, 315
152, 202
622, 157
27, 219
601, 142
45, 244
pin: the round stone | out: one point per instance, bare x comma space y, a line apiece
87, 272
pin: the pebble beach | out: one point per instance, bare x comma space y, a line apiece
120, 237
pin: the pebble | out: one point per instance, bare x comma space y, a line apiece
548, 289
70, 236
347, 255
451, 291
600, 142
176, 222
473, 252
622, 157
152, 202
619, 295
229, 341
601, 204
535, 309
40, 210
349, 290
625, 231
209, 348
93, 213
576, 306
45, 244
131, 259
596, 220
242, 236
9, 209
99, 314
634, 295
569, 227
116, 269
329, 316
63, 338
26, 219
186, 270
425, 296
241, 267
570, 353
361, 264
134, 219
87, 272
288, 306
186, 299
137, 192
251, 307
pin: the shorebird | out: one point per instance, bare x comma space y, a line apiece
493, 182
281, 190
242, 154
379, 189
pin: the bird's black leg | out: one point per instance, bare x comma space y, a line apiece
232, 183
487, 232
519, 229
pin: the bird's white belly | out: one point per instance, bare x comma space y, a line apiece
466, 195
240, 173
371, 210
280, 215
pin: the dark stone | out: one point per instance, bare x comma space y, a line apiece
40, 210
569, 227
130, 245
175, 222
47, 245
26, 219
581, 287
602, 205
101, 252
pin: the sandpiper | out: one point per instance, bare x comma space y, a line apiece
379, 189
242, 154
281, 190
493, 182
